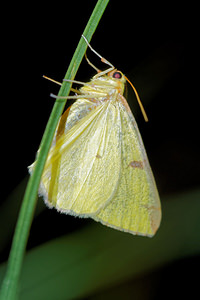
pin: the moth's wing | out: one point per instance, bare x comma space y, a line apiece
135, 207
82, 169
78, 110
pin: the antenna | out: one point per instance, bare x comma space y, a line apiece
138, 100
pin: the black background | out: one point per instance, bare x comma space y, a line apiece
154, 46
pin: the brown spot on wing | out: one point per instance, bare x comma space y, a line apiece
136, 164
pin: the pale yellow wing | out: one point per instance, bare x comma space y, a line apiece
135, 207
83, 166
99, 169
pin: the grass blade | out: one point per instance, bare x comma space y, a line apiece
11, 280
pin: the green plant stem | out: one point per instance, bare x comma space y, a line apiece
11, 281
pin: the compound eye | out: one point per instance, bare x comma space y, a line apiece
117, 75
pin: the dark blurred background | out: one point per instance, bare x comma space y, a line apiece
154, 45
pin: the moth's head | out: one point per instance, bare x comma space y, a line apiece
118, 80
114, 79
117, 75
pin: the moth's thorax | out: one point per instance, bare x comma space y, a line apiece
106, 85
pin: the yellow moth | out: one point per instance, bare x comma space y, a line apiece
97, 165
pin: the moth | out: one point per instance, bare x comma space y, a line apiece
97, 165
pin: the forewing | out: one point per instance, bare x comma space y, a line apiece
135, 207
82, 169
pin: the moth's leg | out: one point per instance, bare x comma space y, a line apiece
93, 66
59, 83
100, 73
78, 82
97, 90
85, 96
